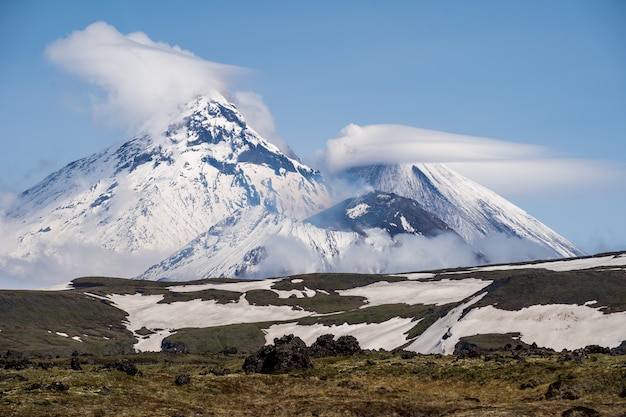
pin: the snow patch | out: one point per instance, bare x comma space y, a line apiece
386, 335
436, 339
77, 338
406, 225
417, 292
62, 334
556, 326
416, 275
298, 293
144, 311
563, 265
358, 210
264, 284
152, 342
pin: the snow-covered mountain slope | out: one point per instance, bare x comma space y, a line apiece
256, 243
388, 211
151, 195
240, 245
473, 211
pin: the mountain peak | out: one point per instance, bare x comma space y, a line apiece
152, 194
473, 211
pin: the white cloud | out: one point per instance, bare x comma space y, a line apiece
376, 144
506, 167
544, 177
144, 81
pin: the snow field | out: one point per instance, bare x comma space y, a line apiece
565, 265
556, 326
386, 335
143, 311
417, 292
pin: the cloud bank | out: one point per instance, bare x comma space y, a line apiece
382, 254
506, 167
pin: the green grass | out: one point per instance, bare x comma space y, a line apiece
331, 282
371, 384
245, 337
29, 321
221, 296
320, 303
513, 290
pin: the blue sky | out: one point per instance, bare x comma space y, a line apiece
549, 75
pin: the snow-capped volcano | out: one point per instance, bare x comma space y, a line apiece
473, 211
209, 197
151, 195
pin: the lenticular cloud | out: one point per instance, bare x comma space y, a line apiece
385, 144
510, 168
142, 79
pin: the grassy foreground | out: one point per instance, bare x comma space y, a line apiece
368, 384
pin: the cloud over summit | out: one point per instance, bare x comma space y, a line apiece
506, 167
141, 78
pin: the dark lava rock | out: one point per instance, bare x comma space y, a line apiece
174, 347
58, 386
34, 386
464, 350
580, 411
562, 390
532, 383
326, 345
124, 365
287, 353
182, 379
230, 350
75, 364
620, 350
354, 385
407, 354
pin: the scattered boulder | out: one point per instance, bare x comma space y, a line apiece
408, 354
35, 386
580, 411
182, 379
354, 385
218, 372
326, 345
562, 390
532, 383
464, 350
287, 353
15, 360
229, 350
124, 365
620, 350
58, 386
174, 347
591, 349
75, 364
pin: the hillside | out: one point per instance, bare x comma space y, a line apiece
561, 304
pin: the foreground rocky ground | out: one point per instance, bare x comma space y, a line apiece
519, 381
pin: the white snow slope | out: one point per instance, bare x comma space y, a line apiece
555, 326
473, 211
255, 243
144, 199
